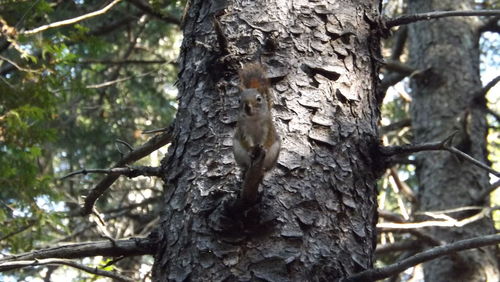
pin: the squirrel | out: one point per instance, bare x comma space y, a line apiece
256, 143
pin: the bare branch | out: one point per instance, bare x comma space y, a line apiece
19, 230
436, 15
398, 67
402, 186
133, 206
18, 66
480, 97
141, 5
394, 217
391, 79
435, 146
398, 246
399, 43
384, 272
109, 83
155, 130
395, 126
119, 141
152, 145
122, 62
494, 114
124, 247
73, 20
488, 86
93, 270
130, 172
447, 221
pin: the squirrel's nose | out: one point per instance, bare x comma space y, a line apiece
248, 109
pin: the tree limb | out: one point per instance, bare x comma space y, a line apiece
93, 270
487, 192
487, 87
130, 172
152, 145
73, 20
109, 83
395, 126
435, 146
384, 272
402, 186
19, 230
436, 15
391, 79
448, 222
149, 10
398, 246
480, 97
121, 62
399, 43
124, 247
398, 67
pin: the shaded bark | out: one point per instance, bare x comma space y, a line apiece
443, 102
315, 220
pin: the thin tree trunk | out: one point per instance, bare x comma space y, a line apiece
316, 217
443, 103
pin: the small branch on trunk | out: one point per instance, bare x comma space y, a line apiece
488, 191
396, 66
391, 79
73, 20
6, 266
130, 172
435, 146
487, 87
480, 97
436, 15
150, 146
384, 272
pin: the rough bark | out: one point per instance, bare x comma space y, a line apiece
317, 212
442, 103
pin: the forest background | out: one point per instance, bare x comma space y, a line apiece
89, 96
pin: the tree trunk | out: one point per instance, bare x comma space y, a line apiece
315, 220
443, 102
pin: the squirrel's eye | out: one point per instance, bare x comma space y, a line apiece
258, 99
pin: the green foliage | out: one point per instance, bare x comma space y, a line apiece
63, 105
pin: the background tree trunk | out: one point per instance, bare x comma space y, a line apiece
316, 219
443, 101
